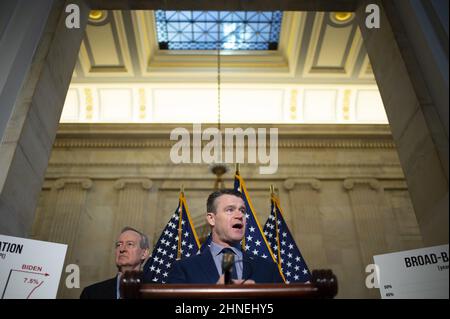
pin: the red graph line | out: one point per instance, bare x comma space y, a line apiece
31, 272
28, 297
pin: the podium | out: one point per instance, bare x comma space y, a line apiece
323, 285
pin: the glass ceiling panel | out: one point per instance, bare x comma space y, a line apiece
200, 30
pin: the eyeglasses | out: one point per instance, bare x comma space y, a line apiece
128, 244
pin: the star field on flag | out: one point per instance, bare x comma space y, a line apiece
178, 240
283, 245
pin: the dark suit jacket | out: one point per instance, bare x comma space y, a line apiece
102, 290
201, 269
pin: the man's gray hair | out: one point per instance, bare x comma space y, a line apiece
144, 243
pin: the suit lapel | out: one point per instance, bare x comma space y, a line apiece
208, 267
111, 288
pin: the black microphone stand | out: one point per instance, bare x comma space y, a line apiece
227, 264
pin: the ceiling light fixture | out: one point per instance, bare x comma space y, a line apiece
219, 168
341, 17
97, 15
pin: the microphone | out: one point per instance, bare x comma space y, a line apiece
227, 266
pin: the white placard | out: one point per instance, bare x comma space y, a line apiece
30, 269
414, 274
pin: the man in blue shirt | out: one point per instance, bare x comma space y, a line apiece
226, 217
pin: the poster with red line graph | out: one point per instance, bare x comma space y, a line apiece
30, 269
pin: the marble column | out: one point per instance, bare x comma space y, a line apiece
409, 58
70, 203
307, 222
37, 57
69, 206
367, 206
133, 194
41, 225
401, 222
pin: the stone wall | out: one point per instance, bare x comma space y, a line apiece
341, 188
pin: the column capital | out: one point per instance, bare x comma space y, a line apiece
314, 183
85, 183
349, 183
146, 183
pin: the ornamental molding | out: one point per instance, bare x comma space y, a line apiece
315, 164
282, 143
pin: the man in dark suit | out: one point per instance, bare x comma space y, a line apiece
226, 216
132, 248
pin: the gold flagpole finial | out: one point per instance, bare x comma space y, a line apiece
272, 190
237, 168
182, 188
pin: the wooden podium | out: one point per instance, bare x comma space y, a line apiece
323, 285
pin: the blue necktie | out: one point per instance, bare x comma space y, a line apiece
233, 268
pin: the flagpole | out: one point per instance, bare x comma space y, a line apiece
272, 189
180, 224
237, 174
243, 238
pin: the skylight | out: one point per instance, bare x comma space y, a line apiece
200, 30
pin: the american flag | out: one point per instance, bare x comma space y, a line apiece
254, 241
283, 245
169, 248
207, 243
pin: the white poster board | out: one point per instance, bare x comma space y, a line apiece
414, 274
30, 269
